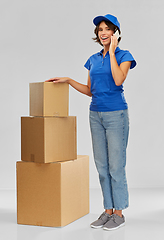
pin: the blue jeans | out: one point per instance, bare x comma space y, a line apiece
110, 132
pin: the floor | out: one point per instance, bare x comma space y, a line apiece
144, 219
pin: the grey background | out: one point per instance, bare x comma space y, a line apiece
41, 39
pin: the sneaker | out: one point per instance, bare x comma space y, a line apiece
114, 222
104, 217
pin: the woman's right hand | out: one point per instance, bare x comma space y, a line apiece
85, 89
58, 79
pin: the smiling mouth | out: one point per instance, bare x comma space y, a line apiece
104, 38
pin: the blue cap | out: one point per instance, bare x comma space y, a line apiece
107, 17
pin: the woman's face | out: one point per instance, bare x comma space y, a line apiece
104, 34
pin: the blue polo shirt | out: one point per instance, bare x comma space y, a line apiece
106, 96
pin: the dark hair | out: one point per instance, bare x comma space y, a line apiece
111, 26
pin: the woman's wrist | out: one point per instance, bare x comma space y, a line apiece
68, 80
111, 54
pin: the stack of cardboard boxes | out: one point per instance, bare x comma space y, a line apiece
52, 181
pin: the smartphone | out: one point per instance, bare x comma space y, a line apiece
117, 34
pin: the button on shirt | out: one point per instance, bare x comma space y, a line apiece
106, 96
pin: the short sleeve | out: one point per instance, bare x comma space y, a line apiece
87, 64
127, 56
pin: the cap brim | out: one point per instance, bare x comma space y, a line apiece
99, 19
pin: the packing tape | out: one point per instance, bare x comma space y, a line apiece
56, 114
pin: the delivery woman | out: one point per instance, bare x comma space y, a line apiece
109, 121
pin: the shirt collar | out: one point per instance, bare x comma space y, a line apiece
101, 52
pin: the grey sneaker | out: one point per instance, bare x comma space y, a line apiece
104, 217
114, 222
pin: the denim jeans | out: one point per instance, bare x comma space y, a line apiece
110, 132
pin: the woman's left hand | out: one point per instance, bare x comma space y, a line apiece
113, 44
58, 79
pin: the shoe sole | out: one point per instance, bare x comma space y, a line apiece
110, 229
96, 226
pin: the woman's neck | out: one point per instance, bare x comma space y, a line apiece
106, 49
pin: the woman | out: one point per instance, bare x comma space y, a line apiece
109, 123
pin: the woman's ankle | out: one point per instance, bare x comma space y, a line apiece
109, 211
118, 212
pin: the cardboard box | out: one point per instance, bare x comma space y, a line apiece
49, 99
52, 194
48, 139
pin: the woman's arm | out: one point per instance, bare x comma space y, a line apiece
85, 89
119, 73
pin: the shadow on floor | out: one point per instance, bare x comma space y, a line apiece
8, 216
